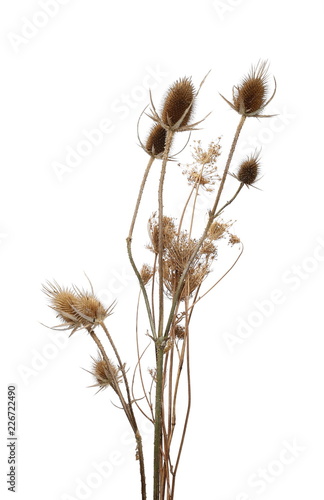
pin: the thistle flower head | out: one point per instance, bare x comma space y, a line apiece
89, 309
177, 108
178, 104
76, 308
155, 143
249, 170
105, 374
250, 97
62, 301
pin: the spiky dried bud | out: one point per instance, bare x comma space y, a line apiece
104, 374
77, 309
249, 170
178, 104
250, 97
155, 143
62, 301
89, 309
146, 273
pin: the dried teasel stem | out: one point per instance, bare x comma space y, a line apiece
159, 341
129, 246
184, 431
130, 413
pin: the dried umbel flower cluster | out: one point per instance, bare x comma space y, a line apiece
169, 232
203, 172
178, 256
183, 258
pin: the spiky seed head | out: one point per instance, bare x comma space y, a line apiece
105, 375
76, 308
155, 143
89, 309
62, 301
250, 97
178, 104
249, 170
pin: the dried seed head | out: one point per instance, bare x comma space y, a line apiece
208, 249
180, 332
177, 257
62, 301
218, 229
178, 104
155, 142
105, 375
251, 96
77, 309
249, 170
203, 172
146, 273
169, 231
89, 309
233, 240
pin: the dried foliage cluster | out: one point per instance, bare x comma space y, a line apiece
172, 283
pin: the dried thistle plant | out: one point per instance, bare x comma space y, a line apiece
174, 279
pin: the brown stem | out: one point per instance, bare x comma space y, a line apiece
132, 418
188, 407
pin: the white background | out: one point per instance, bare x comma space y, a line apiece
248, 402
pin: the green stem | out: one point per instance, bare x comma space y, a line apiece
129, 246
159, 343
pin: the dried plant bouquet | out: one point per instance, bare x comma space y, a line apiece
174, 281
